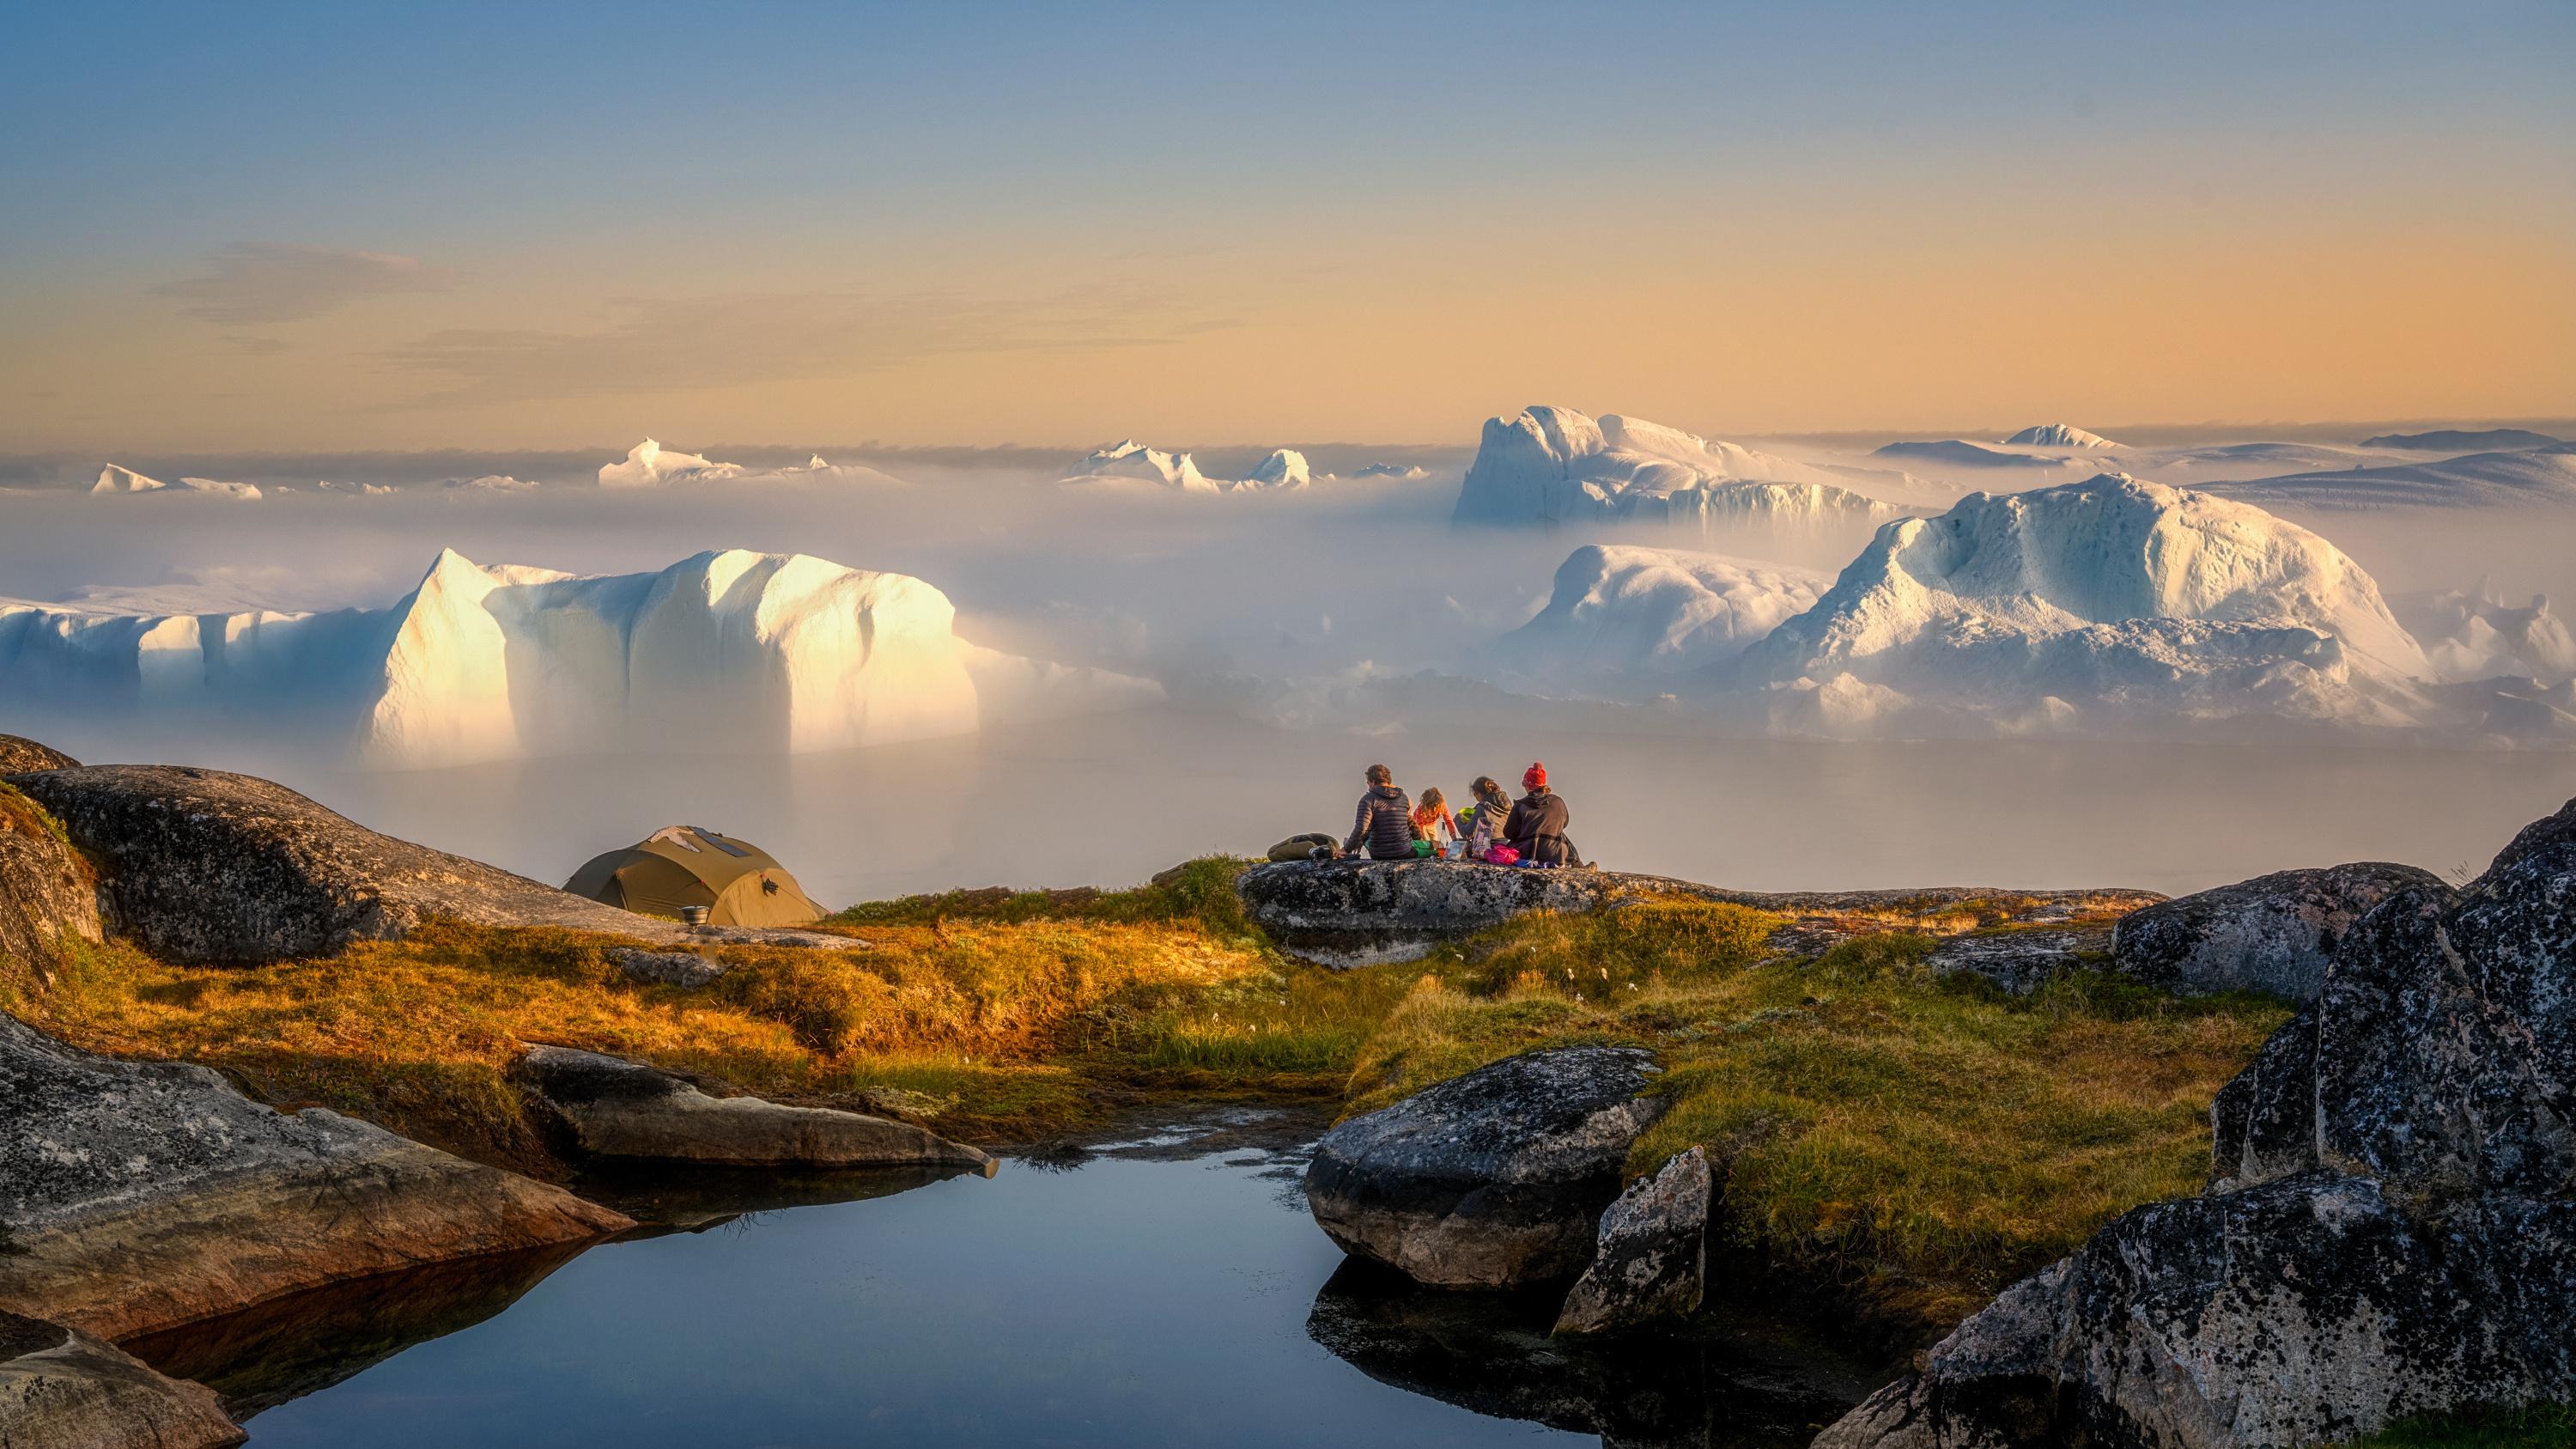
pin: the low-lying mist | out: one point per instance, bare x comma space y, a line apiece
1257, 611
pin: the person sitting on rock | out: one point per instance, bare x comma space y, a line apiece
1492, 809
1536, 827
1385, 823
1433, 825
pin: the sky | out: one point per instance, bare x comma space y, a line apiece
284, 227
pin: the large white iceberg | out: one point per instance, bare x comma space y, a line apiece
1552, 466
1130, 462
2109, 600
1622, 619
730, 652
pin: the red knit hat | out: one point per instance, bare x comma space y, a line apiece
1534, 776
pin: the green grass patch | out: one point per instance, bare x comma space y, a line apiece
2485, 1428
1929, 1138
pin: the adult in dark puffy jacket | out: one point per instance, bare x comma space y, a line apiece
1537, 825
1385, 822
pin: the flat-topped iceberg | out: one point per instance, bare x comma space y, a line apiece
724, 652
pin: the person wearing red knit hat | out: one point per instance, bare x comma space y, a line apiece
1537, 825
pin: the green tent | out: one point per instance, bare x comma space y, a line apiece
739, 883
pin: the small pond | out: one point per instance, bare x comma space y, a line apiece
1164, 1286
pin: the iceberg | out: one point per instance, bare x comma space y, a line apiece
2519, 477
116, 479
650, 465
2112, 599
1552, 466
727, 651
2059, 435
1130, 462
1403, 472
1624, 618
2474, 634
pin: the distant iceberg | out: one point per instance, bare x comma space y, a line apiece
1130, 462
116, 479
726, 651
1552, 465
1619, 620
2059, 435
650, 465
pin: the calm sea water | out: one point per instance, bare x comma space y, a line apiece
1168, 1290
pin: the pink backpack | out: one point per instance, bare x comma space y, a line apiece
1502, 855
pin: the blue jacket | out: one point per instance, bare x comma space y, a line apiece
1385, 822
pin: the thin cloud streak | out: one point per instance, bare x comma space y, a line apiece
251, 283
685, 343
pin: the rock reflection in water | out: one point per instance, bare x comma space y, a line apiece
1491, 1353
666, 1199
305, 1342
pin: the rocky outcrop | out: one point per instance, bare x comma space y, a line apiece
47, 891
609, 1107
139, 1195
1490, 1180
64, 1389
1346, 913
686, 969
2391, 1228
205, 866
1651, 1258
2272, 934
2020, 961
19, 754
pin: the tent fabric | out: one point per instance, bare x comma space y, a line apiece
739, 883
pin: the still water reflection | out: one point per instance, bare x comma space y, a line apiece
1163, 1289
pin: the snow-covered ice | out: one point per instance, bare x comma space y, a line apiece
650, 465
2518, 477
1553, 465
114, 478
1620, 618
1130, 462
2059, 435
727, 651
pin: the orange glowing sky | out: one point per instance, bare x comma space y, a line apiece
326, 231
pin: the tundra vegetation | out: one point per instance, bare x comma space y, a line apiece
1914, 1141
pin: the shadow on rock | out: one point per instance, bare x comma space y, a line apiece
1491, 1353
305, 1342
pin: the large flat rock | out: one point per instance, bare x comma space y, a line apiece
609, 1107
209, 867
1348, 913
140, 1195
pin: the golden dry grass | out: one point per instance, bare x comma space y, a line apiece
1922, 1141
